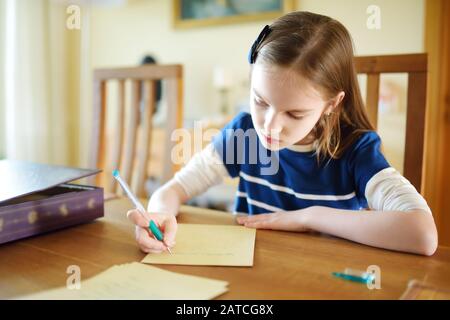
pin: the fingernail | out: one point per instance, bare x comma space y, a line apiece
169, 243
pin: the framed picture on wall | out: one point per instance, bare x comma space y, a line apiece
200, 13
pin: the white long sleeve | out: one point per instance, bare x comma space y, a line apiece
203, 171
387, 190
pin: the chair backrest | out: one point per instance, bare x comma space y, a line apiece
415, 65
127, 148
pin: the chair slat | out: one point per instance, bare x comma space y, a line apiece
131, 129
117, 138
145, 131
372, 96
97, 156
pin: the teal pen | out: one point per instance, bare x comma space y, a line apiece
152, 225
364, 279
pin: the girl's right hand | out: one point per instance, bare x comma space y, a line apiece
166, 222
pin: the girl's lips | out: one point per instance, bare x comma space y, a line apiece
270, 140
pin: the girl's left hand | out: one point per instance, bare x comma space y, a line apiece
282, 220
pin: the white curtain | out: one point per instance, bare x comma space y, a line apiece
35, 105
2, 77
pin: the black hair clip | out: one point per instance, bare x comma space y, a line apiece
253, 52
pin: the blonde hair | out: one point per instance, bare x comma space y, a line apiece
320, 50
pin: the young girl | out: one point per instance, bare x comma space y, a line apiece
321, 167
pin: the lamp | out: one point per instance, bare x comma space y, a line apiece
222, 80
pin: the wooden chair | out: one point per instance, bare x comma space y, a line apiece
415, 65
129, 145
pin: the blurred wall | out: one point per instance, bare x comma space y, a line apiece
121, 35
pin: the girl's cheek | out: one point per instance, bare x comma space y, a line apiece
259, 116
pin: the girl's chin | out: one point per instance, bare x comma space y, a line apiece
272, 146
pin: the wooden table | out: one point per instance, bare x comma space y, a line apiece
286, 265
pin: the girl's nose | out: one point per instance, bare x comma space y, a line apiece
272, 125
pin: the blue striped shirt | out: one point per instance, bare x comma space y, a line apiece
289, 180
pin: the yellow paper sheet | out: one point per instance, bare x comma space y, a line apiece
209, 245
138, 281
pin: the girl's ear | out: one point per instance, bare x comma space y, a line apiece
335, 102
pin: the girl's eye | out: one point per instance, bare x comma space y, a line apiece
294, 116
260, 103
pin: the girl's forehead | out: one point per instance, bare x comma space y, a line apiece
284, 88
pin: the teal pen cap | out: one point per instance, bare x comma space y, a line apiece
154, 229
353, 277
157, 233
359, 273
152, 225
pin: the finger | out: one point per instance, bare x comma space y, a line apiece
148, 250
170, 231
256, 218
242, 220
136, 217
146, 241
258, 225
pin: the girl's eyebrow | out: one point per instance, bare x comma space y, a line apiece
293, 111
